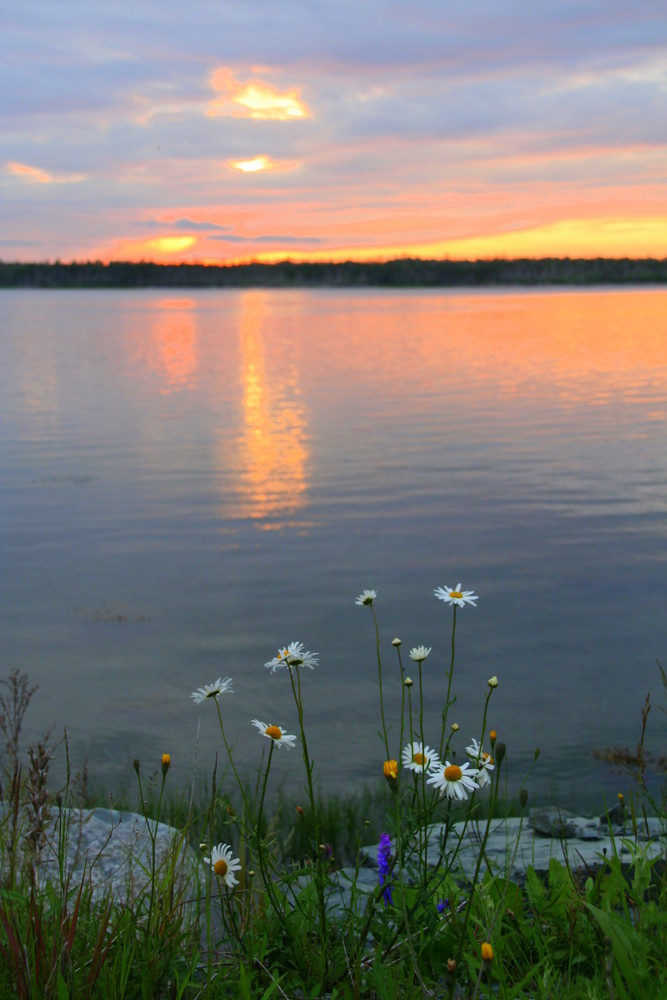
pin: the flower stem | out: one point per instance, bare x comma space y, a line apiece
379, 659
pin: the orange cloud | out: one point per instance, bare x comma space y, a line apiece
159, 248
255, 99
599, 237
38, 176
261, 163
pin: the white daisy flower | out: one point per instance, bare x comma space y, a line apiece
293, 655
419, 653
456, 596
212, 690
275, 733
224, 865
482, 761
453, 781
417, 757
366, 597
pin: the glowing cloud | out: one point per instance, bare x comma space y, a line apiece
261, 163
37, 176
155, 249
255, 99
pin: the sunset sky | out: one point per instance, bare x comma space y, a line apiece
221, 131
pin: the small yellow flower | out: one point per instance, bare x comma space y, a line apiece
493, 736
390, 770
166, 763
487, 952
621, 797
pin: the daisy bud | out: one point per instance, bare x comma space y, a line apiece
136, 765
493, 682
396, 642
408, 682
451, 966
537, 752
487, 952
501, 750
523, 797
166, 763
455, 727
202, 846
251, 873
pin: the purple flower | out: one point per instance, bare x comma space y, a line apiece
442, 905
384, 865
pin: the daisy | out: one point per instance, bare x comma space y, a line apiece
212, 690
457, 596
482, 761
293, 655
366, 597
417, 757
224, 865
419, 653
453, 781
276, 734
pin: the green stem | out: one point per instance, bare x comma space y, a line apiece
449, 685
319, 881
231, 760
260, 845
379, 659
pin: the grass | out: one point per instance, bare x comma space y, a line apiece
269, 928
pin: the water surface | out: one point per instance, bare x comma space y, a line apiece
191, 480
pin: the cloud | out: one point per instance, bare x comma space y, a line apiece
254, 99
261, 163
38, 176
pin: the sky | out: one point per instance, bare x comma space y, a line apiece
216, 131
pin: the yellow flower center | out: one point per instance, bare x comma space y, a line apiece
419, 758
274, 732
455, 593
486, 758
220, 868
453, 773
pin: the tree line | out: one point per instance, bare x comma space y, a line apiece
399, 273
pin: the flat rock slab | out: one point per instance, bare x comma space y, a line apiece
512, 846
114, 851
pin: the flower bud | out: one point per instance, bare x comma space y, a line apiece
501, 750
408, 682
523, 797
390, 770
166, 763
493, 735
396, 642
455, 727
493, 682
451, 966
136, 765
487, 952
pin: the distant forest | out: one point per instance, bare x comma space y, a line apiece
400, 273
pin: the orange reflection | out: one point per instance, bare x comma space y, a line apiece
272, 443
171, 349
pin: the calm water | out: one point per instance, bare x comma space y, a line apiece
190, 480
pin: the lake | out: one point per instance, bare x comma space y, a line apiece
192, 479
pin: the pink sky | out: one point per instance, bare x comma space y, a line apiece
368, 130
